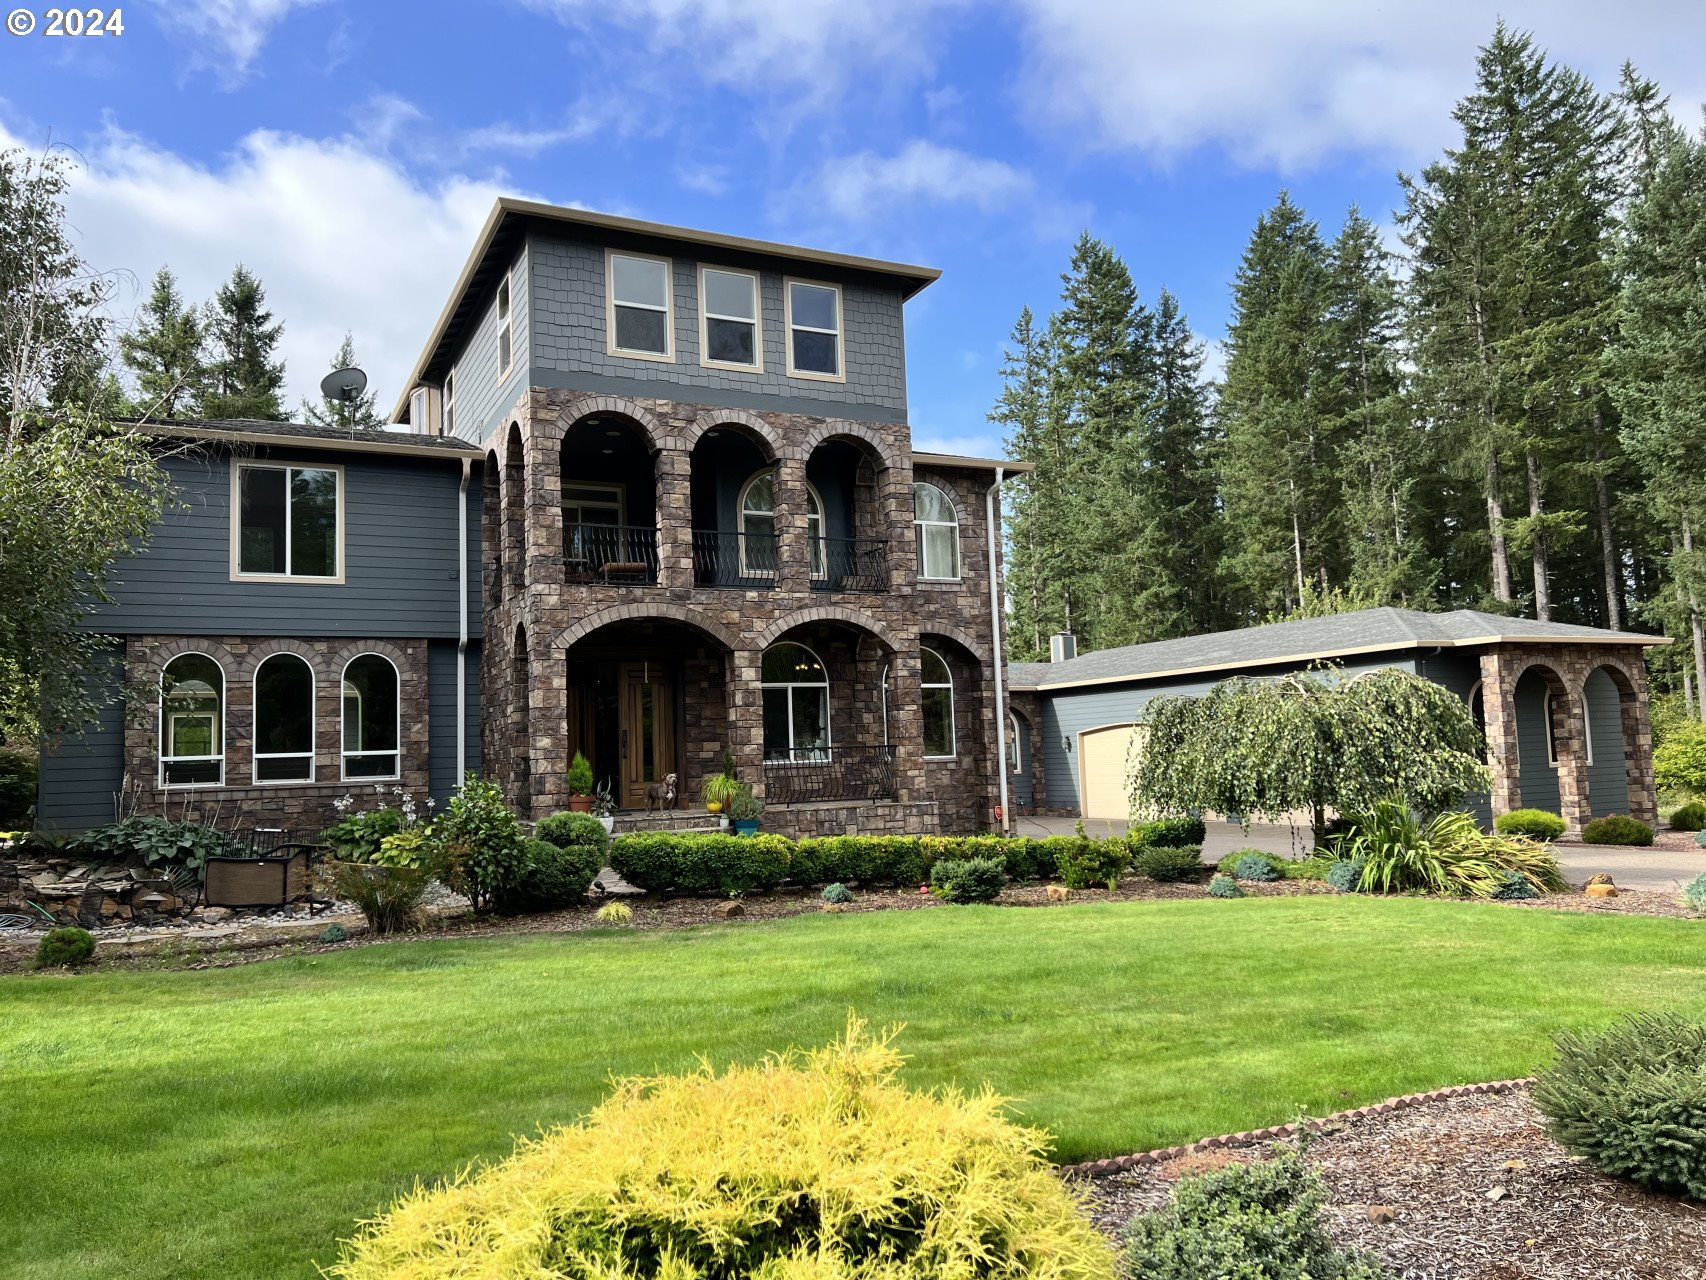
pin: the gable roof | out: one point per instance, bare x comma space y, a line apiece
507, 223
256, 432
1341, 635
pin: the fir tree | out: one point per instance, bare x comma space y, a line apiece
1033, 526
344, 415
244, 381
165, 352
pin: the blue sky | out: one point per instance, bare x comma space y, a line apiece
347, 152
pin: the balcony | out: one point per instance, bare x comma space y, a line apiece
808, 775
850, 564
616, 553
744, 562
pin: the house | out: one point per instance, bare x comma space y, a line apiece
1564, 707
652, 498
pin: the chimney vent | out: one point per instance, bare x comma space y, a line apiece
1062, 647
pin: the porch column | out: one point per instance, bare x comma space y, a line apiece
542, 515
746, 716
1569, 732
1638, 745
546, 729
793, 538
906, 722
1498, 701
674, 487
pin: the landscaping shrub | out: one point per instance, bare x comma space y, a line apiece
1618, 828
1679, 762
356, 837
895, 860
64, 948
479, 843
568, 829
1250, 864
1029, 859
1167, 833
1689, 817
1631, 1099
817, 1166
1087, 862
1535, 823
1345, 875
551, 878
410, 847
388, 897
1694, 893
837, 893
580, 776
19, 773
334, 932
1169, 862
962, 880
1311, 868
1450, 856
1514, 885
615, 913
1260, 1220
1224, 886
714, 863
160, 842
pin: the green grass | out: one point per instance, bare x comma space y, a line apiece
236, 1122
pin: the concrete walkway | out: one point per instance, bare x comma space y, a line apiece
1632, 868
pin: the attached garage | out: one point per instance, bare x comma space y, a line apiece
1103, 760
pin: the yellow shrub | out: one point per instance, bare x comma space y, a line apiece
814, 1166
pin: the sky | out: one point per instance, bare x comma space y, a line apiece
347, 151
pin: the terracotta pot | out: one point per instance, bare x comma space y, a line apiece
580, 804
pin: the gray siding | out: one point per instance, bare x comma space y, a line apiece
570, 345
441, 712
400, 532
1537, 777
80, 779
1608, 783
1459, 672
1069, 713
484, 393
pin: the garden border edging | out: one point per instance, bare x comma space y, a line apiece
1251, 1137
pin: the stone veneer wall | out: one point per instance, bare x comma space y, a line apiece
303, 808
1029, 704
875, 628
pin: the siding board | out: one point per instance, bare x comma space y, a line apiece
82, 776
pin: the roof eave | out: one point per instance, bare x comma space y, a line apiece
971, 464
334, 443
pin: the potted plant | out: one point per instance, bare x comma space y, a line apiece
745, 810
719, 791
580, 785
604, 807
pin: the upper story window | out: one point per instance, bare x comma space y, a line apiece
287, 522
938, 530
506, 339
641, 317
450, 403
758, 527
728, 320
192, 722
420, 410
814, 330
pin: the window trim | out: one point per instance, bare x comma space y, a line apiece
923, 685
503, 307
918, 524
238, 466
1015, 758
788, 283
447, 410
791, 685
343, 753
313, 726
161, 758
705, 318
667, 355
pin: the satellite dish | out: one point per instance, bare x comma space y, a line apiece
345, 385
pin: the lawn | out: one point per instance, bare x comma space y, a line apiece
236, 1122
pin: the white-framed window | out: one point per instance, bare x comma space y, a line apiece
1015, 745
284, 719
192, 722
813, 321
450, 399
640, 313
936, 683
885, 696
506, 338
371, 717
593, 514
758, 527
796, 704
730, 332
287, 522
420, 410
937, 527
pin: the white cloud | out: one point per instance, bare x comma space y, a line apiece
857, 187
341, 237
1289, 85
223, 36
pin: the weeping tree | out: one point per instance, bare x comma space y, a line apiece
1315, 740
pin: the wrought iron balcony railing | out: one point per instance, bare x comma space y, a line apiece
802, 775
610, 553
728, 559
850, 564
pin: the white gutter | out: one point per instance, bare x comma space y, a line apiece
462, 624
995, 626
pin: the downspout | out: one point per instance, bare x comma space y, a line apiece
995, 630
462, 624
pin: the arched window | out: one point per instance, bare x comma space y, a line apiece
758, 527
192, 722
938, 531
1015, 754
371, 724
796, 704
937, 684
284, 719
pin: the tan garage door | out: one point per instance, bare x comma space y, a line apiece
1102, 770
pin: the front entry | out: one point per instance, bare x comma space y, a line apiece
646, 730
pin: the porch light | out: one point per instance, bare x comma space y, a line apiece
613, 432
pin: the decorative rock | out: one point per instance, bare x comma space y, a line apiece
1604, 890
1600, 878
1497, 1194
728, 910
1058, 893
1382, 1214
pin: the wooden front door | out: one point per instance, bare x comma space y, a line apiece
648, 729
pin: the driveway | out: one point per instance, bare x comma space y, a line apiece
1662, 869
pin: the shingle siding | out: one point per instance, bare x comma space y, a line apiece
484, 392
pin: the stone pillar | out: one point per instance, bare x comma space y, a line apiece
672, 467
1638, 745
906, 721
1569, 708
1498, 700
746, 716
542, 554
894, 496
547, 725
793, 535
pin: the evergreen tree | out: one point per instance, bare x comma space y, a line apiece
344, 415
1033, 525
244, 381
165, 352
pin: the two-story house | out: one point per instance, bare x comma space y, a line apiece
683, 463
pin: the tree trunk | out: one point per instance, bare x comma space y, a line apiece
1495, 501
1694, 610
1296, 541
1542, 576
1607, 540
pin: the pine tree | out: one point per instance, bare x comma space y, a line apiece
243, 379
339, 414
165, 352
1032, 524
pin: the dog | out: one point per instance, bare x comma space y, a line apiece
661, 795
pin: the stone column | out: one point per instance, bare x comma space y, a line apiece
542, 546
1498, 699
793, 537
546, 727
1638, 745
1569, 708
906, 721
746, 716
894, 494
673, 468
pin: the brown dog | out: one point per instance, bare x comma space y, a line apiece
661, 795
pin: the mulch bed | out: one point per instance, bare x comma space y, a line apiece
1463, 1188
